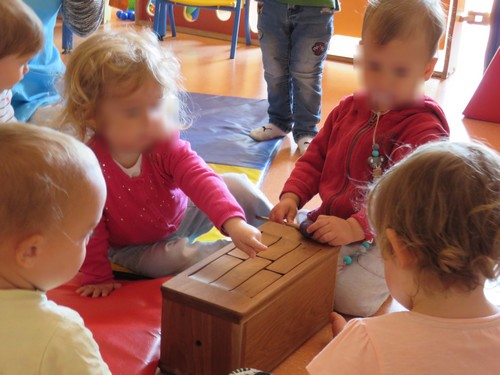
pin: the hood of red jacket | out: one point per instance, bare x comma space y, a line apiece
424, 104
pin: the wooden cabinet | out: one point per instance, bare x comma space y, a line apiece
230, 311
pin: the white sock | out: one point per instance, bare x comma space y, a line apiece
303, 144
267, 132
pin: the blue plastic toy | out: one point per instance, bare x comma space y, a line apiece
128, 15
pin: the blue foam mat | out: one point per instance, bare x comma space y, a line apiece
221, 127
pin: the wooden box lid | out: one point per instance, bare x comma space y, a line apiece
231, 285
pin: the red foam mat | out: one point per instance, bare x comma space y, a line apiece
126, 325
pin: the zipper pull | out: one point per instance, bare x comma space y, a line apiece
375, 161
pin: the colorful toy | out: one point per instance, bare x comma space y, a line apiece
151, 7
191, 14
128, 15
165, 13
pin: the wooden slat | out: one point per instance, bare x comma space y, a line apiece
291, 260
239, 254
278, 249
216, 269
257, 283
269, 239
238, 275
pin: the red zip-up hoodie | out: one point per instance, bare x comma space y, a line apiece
336, 163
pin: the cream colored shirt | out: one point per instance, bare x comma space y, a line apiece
6, 110
39, 337
411, 343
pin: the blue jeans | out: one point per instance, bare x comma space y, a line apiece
294, 42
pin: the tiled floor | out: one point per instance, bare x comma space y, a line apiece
207, 69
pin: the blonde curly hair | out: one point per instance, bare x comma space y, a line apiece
125, 58
443, 201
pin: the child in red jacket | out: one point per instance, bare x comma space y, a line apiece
122, 88
365, 135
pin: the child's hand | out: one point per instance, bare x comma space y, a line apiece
336, 231
98, 290
337, 322
285, 209
244, 236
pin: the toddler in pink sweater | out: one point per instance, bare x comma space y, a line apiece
122, 91
436, 215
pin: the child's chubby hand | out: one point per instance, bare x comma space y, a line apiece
244, 236
98, 290
286, 209
336, 231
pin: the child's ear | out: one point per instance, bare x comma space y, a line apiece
429, 68
400, 251
28, 251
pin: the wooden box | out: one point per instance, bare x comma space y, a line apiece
229, 311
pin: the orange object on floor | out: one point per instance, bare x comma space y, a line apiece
126, 325
120, 4
484, 103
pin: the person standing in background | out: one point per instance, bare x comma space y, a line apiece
35, 97
294, 37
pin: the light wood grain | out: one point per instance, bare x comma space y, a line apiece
291, 260
238, 275
216, 269
280, 248
239, 254
257, 283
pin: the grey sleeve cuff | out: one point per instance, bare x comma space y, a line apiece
83, 17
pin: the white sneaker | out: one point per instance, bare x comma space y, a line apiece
303, 144
267, 132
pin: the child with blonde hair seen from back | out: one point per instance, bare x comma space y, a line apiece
21, 38
122, 88
52, 195
436, 215
363, 136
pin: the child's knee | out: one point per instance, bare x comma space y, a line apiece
359, 292
250, 198
241, 188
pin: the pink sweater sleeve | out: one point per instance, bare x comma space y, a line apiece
350, 353
199, 182
96, 268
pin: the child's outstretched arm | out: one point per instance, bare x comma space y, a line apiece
97, 274
208, 192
